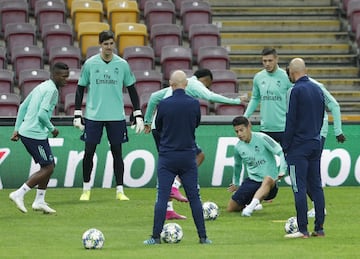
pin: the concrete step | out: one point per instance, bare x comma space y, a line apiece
279, 25
346, 96
316, 72
283, 37
261, 3
313, 59
331, 84
267, 11
305, 48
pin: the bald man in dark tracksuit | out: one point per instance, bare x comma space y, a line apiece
302, 147
177, 118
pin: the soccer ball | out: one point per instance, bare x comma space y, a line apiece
93, 239
291, 225
210, 210
171, 233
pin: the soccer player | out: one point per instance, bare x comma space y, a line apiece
256, 151
177, 118
270, 87
197, 87
302, 145
104, 76
32, 127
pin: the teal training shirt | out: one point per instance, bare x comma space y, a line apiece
270, 90
194, 88
333, 106
42, 97
258, 158
105, 82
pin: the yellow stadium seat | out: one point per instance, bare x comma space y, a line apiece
88, 34
119, 11
86, 11
130, 34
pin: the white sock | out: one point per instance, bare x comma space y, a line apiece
176, 184
120, 188
253, 204
170, 206
86, 186
23, 190
40, 195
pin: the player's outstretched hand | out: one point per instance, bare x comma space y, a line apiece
55, 132
137, 121
15, 136
78, 120
341, 138
147, 129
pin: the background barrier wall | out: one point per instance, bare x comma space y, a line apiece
340, 163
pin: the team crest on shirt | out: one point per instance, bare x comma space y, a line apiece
116, 71
257, 149
278, 83
97, 71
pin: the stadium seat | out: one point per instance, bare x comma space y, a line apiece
3, 57
128, 107
56, 35
88, 34
28, 57
69, 105
204, 107
173, 58
119, 11
353, 14
144, 100
147, 81
9, 104
230, 109
159, 12
13, 11
194, 12
201, 35
70, 87
140, 57
70, 55
30, 78
163, 35
224, 81
130, 34
19, 35
86, 11
215, 57
177, 4
49, 11
6, 81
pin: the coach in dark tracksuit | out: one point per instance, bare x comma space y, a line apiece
302, 146
177, 118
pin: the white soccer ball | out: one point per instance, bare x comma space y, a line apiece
210, 210
291, 225
93, 239
172, 233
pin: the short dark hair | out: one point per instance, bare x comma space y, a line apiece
203, 73
106, 35
59, 66
269, 51
240, 120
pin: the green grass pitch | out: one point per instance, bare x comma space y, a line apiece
126, 224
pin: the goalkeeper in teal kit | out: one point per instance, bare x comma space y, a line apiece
104, 75
256, 152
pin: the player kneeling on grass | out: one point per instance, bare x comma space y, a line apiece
255, 150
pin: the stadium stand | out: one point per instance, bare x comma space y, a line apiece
224, 81
9, 104
148, 81
159, 12
6, 81
69, 105
69, 88
86, 11
88, 34
3, 58
194, 12
201, 35
213, 57
30, 78
56, 35
70, 55
163, 35
130, 34
13, 11
127, 104
204, 107
49, 11
173, 58
28, 57
140, 58
229, 109
122, 11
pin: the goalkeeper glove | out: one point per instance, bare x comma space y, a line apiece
78, 120
137, 121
